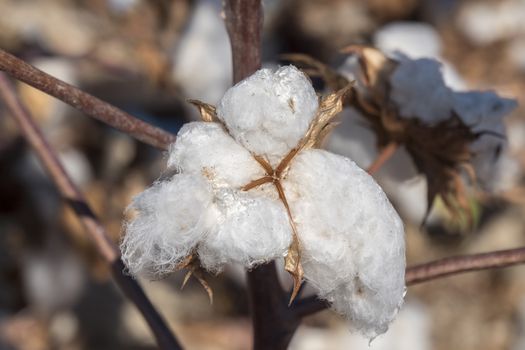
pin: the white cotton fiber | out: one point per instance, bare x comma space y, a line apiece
207, 149
415, 39
269, 112
483, 110
352, 238
419, 91
250, 230
172, 217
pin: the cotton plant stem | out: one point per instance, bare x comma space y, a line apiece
386, 153
433, 270
244, 19
273, 323
85, 102
94, 228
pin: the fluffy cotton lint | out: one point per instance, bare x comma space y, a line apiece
207, 149
269, 112
352, 238
420, 92
171, 218
250, 230
483, 111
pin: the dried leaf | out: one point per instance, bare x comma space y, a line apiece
186, 279
376, 68
199, 274
207, 111
329, 107
292, 264
192, 263
186, 262
292, 260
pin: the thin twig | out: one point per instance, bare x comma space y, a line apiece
386, 153
85, 102
94, 228
433, 270
464, 263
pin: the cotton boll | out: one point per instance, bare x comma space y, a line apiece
173, 216
414, 39
269, 112
250, 230
352, 238
203, 57
53, 278
419, 91
207, 149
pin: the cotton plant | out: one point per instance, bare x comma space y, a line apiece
450, 135
248, 185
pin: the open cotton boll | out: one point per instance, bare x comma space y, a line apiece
354, 251
420, 92
270, 111
250, 230
207, 149
172, 217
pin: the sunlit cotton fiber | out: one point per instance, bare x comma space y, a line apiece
269, 112
351, 239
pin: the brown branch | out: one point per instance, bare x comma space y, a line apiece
93, 227
433, 270
85, 102
244, 25
464, 263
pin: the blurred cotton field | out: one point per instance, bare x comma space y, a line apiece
456, 59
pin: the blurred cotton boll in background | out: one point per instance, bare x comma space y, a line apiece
53, 278
417, 40
202, 60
